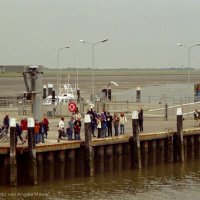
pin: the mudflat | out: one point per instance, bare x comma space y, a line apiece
13, 85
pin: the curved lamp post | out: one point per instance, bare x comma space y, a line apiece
93, 45
58, 67
188, 49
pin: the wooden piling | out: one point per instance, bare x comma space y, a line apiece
60, 165
117, 157
197, 146
99, 159
13, 159
126, 158
169, 149
144, 153
180, 143
108, 161
40, 167
89, 167
191, 147
32, 164
49, 168
136, 141
152, 152
185, 144
160, 151
70, 163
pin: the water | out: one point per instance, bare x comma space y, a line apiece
167, 93
170, 181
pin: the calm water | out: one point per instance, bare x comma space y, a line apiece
166, 93
163, 182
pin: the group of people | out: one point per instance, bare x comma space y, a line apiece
104, 122
73, 128
40, 129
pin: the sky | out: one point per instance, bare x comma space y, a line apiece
140, 33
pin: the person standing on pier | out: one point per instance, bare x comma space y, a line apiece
109, 120
6, 123
70, 129
45, 122
42, 131
103, 125
116, 123
61, 128
98, 119
140, 120
122, 121
37, 131
77, 129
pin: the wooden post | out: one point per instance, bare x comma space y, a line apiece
126, 158
160, 151
180, 144
191, 146
40, 163
70, 163
13, 159
99, 159
108, 164
144, 152
136, 141
169, 149
117, 163
60, 165
32, 152
152, 152
89, 168
50, 166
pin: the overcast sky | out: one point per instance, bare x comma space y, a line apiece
140, 33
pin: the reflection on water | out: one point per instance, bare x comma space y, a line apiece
169, 181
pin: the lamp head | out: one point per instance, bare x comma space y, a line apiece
83, 41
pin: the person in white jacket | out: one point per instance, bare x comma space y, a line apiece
122, 122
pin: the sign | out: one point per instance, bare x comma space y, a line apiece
72, 107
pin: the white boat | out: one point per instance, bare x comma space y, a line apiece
66, 95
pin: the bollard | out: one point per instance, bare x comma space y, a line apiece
138, 94
50, 88
180, 142
32, 169
89, 168
166, 113
44, 92
13, 159
136, 141
53, 96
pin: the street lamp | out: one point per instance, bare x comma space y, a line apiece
93, 45
188, 48
58, 63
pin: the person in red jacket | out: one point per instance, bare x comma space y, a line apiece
45, 122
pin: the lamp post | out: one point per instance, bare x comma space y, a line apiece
58, 67
93, 46
188, 49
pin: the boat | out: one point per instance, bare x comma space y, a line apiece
66, 95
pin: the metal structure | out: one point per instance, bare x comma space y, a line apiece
33, 82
